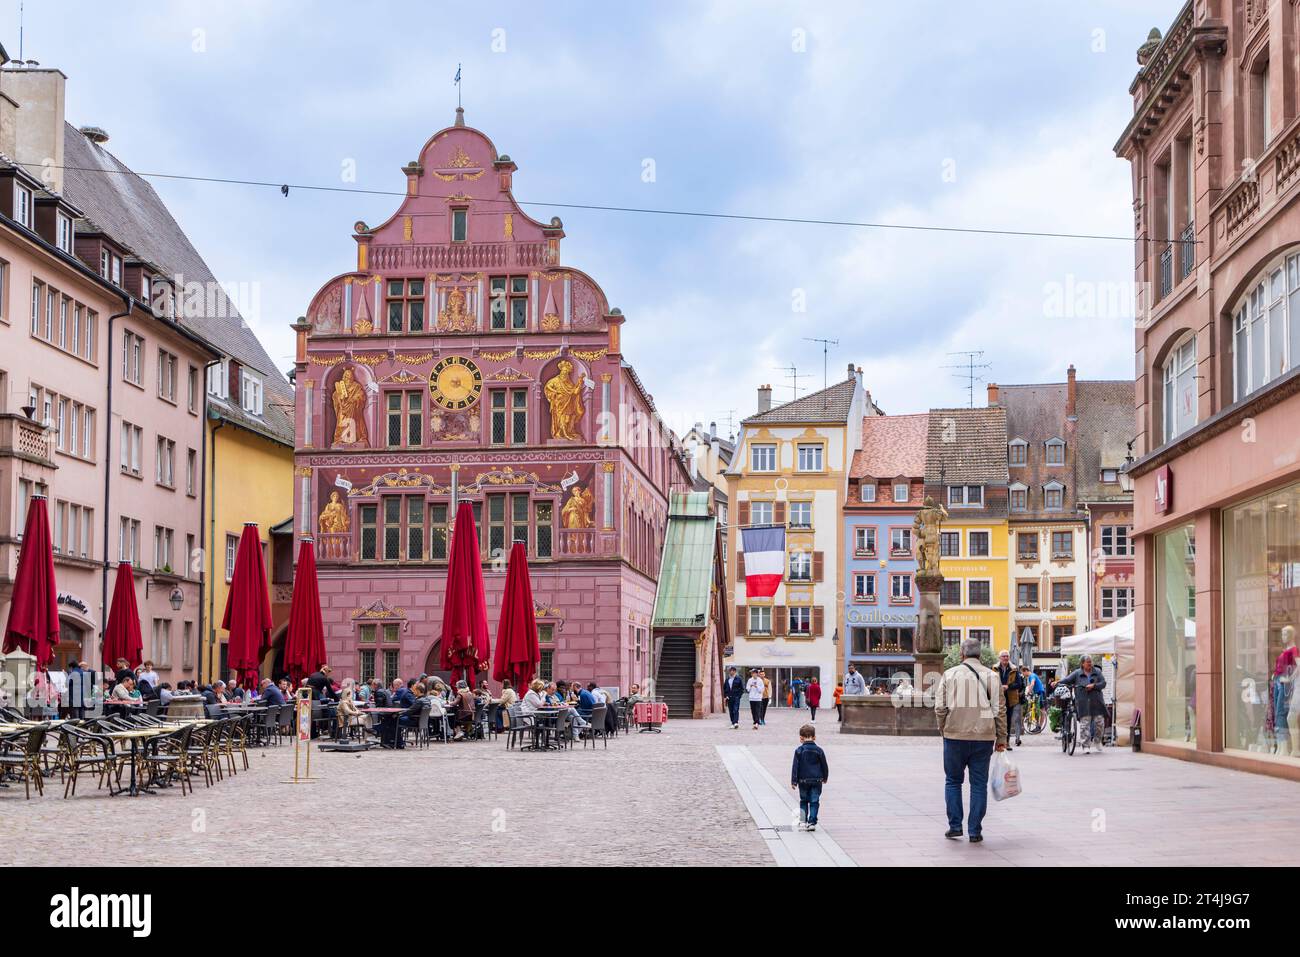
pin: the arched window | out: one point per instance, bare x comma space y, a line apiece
1266, 328
1179, 374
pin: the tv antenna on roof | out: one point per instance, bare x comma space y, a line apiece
792, 373
826, 346
970, 374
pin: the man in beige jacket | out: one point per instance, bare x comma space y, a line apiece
972, 715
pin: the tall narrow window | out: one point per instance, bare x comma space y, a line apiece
1180, 389
414, 528
405, 305
496, 524
519, 519
438, 531
543, 513
369, 531
392, 527
459, 225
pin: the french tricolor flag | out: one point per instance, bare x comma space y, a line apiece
764, 548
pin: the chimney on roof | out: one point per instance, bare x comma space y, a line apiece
96, 134
713, 430
764, 398
993, 393
37, 138
1070, 392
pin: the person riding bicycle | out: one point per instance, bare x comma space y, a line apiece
1033, 684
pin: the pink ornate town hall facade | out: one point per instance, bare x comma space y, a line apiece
461, 362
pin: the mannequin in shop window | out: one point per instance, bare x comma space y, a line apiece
1286, 703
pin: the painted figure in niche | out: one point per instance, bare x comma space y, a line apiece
349, 408
334, 517
565, 397
454, 317
577, 511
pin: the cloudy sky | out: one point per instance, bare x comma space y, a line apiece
996, 115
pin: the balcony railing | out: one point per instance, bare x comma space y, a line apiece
1186, 251
1166, 270
25, 437
334, 546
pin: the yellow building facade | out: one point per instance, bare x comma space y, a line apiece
978, 558
249, 472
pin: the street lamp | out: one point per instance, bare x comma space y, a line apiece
177, 598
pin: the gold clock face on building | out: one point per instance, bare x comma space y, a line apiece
455, 383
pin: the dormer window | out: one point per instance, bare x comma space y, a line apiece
965, 496
110, 266
250, 392
1054, 450
459, 225
219, 379
1017, 452
1019, 497
1109, 476
146, 287
63, 232
23, 205
867, 491
1053, 496
901, 492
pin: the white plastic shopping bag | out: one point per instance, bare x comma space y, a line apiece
1004, 776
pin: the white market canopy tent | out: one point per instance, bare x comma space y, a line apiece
1116, 640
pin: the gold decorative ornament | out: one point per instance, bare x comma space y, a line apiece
542, 354
550, 322
406, 228
334, 518
445, 278
349, 401
454, 317
497, 356
510, 225
370, 360
565, 398
324, 360
590, 355
445, 177
363, 327
411, 360
455, 383
460, 159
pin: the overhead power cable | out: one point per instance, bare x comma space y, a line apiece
284, 188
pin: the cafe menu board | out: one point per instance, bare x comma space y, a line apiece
304, 719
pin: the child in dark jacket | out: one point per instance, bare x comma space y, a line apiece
808, 773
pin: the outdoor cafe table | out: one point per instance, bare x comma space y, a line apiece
382, 711
543, 718
135, 735
650, 715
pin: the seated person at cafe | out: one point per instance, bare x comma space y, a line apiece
348, 714
401, 696
635, 695
379, 697
165, 693
466, 705
122, 669
234, 693
271, 695
124, 690
587, 700
553, 696
534, 699
219, 692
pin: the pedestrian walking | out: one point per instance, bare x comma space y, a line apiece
808, 774
1013, 687
754, 688
733, 689
767, 694
854, 683
839, 708
814, 694
972, 716
796, 693
1089, 703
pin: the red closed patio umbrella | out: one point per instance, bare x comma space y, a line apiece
517, 653
33, 624
304, 646
248, 608
122, 633
464, 640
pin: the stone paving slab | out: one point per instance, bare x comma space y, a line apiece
656, 799
884, 804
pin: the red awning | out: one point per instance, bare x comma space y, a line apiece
517, 653
465, 644
33, 624
122, 634
304, 645
248, 608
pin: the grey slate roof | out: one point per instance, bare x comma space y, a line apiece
831, 404
1107, 422
126, 208
967, 447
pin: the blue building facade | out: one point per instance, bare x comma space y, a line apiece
886, 487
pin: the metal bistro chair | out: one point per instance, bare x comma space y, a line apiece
168, 758
420, 730
595, 727
521, 727
266, 727
284, 722
557, 734
87, 751
201, 753
25, 762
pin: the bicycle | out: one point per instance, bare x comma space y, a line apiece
1069, 723
1035, 716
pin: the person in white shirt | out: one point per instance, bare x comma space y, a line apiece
754, 688
533, 700
149, 675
